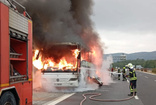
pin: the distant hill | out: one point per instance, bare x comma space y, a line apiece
138, 55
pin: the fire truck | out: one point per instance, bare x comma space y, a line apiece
15, 54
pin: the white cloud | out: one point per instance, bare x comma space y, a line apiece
116, 41
125, 15
126, 25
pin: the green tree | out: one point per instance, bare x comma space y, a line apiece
142, 62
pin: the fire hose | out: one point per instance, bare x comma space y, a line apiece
102, 100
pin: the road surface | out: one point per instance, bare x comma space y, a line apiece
146, 86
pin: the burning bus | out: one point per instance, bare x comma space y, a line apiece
61, 64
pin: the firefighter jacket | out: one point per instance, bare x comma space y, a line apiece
132, 75
119, 71
124, 71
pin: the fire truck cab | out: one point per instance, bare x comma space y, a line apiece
15, 55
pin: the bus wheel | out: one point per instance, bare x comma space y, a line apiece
7, 99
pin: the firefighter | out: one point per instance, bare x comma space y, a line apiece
112, 69
133, 80
112, 72
119, 74
123, 74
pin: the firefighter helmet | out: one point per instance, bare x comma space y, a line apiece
130, 65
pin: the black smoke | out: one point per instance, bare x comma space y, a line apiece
56, 21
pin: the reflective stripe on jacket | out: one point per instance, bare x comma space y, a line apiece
132, 75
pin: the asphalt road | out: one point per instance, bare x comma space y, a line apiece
115, 91
146, 95
146, 88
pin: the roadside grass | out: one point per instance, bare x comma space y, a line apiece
154, 70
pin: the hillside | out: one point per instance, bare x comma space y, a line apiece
138, 55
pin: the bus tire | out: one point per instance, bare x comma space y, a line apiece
7, 99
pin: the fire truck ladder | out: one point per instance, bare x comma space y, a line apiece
13, 6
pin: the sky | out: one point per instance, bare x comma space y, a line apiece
126, 26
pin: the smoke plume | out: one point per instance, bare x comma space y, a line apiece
56, 21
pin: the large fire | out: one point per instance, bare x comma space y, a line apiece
37, 62
41, 63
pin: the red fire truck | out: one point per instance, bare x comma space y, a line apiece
15, 55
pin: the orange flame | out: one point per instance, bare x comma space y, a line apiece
76, 53
37, 62
62, 65
97, 58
